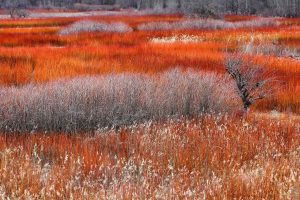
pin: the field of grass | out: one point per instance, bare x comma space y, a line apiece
31, 50
212, 157
110, 114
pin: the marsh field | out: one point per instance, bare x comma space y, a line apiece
137, 105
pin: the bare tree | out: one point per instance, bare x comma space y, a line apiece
253, 82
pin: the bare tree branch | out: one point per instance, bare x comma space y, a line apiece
253, 82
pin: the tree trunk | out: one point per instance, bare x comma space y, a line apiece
247, 105
179, 5
164, 4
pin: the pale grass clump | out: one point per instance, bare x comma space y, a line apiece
113, 100
177, 38
206, 24
92, 26
265, 44
210, 157
270, 48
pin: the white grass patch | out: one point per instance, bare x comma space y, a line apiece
92, 26
276, 115
207, 24
266, 44
254, 37
177, 38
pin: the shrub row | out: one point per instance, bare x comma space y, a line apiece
89, 103
120, 27
206, 24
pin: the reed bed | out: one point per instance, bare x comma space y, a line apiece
213, 156
112, 115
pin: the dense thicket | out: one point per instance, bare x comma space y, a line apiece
113, 100
204, 7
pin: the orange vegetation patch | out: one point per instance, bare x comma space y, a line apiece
236, 18
212, 157
31, 50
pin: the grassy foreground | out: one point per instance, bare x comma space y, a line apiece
212, 157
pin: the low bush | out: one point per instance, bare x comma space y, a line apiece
18, 13
91, 26
89, 103
206, 24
